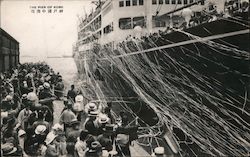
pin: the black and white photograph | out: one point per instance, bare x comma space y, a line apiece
124, 78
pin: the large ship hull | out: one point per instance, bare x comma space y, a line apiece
195, 80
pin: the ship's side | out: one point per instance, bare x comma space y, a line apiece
195, 79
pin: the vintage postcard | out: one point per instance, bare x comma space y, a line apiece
116, 78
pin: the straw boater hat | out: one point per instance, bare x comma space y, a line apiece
57, 126
40, 129
8, 149
122, 139
4, 114
32, 96
91, 106
24, 96
103, 118
77, 107
21, 132
95, 147
109, 128
50, 137
46, 85
93, 113
79, 98
105, 153
74, 122
8, 98
158, 151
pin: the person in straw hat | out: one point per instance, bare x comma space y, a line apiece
90, 107
106, 138
78, 106
95, 150
102, 120
8, 149
91, 124
159, 152
51, 150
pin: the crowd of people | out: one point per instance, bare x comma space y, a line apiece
84, 129
26, 99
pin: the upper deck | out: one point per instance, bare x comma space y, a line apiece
114, 20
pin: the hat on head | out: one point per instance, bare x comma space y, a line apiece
4, 114
95, 147
122, 139
103, 118
79, 98
40, 129
50, 138
93, 113
109, 128
24, 96
21, 132
77, 106
46, 85
8, 148
91, 106
41, 87
105, 153
32, 96
8, 98
57, 126
74, 122
159, 151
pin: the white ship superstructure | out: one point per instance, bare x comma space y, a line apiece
115, 20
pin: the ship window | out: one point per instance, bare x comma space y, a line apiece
139, 21
154, 1
191, 1
160, 1
134, 2
125, 23
158, 23
173, 1
108, 29
141, 2
185, 1
127, 2
179, 1
166, 1
121, 4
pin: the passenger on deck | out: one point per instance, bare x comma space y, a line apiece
71, 93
